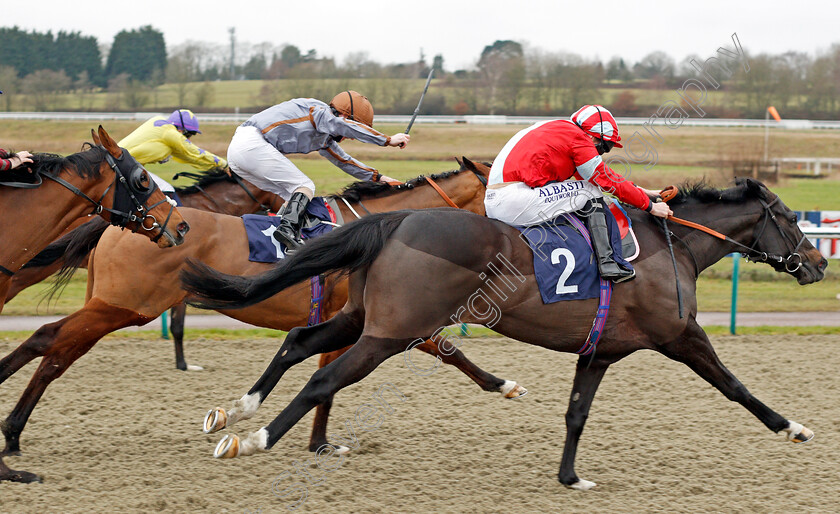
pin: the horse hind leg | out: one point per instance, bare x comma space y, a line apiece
695, 350
318, 437
487, 381
302, 342
177, 318
449, 354
358, 362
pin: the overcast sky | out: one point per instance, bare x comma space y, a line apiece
392, 32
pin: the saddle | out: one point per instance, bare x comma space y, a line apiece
322, 216
629, 244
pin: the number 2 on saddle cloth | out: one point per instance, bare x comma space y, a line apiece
565, 267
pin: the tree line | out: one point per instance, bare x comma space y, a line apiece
507, 78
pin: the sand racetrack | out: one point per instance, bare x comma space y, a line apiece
120, 431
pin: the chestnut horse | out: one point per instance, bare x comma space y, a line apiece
116, 299
214, 191
384, 313
104, 180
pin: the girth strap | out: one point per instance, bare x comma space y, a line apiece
7, 271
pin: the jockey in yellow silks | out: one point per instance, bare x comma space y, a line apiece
161, 138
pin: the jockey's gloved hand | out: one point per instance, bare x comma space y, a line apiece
388, 180
660, 209
400, 140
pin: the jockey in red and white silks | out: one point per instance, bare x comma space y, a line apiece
555, 167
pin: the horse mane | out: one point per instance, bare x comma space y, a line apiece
84, 164
702, 192
202, 180
367, 189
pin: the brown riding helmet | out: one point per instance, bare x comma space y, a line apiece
354, 106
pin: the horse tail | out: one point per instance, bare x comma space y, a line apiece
344, 250
75, 246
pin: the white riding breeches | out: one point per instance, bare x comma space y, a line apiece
519, 205
251, 157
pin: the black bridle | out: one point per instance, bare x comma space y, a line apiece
792, 261
481, 178
129, 187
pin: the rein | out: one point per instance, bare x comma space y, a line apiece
441, 192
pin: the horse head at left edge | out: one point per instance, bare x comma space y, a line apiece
134, 201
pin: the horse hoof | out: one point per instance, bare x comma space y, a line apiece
797, 433
582, 485
23, 477
228, 447
340, 449
193, 367
215, 420
511, 390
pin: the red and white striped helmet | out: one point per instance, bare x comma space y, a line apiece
599, 122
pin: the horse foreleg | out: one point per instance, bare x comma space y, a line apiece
318, 438
71, 338
587, 378
33, 347
301, 343
177, 318
695, 350
362, 358
485, 380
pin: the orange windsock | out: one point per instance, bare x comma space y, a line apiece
774, 113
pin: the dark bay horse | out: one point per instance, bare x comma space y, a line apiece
102, 180
456, 252
116, 299
213, 191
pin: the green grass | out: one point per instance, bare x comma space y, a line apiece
805, 194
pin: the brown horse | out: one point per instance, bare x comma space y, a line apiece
102, 180
116, 299
461, 254
215, 191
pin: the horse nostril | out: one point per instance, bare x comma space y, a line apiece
823, 264
183, 227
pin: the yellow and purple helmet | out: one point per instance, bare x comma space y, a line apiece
185, 120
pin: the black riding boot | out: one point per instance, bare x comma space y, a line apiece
596, 222
293, 214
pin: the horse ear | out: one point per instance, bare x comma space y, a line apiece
96, 140
109, 143
476, 167
460, 162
